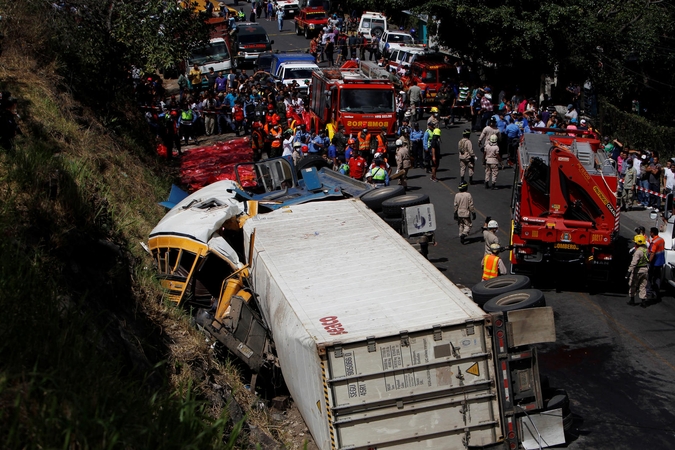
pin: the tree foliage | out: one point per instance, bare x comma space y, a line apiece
625, 49
95, 42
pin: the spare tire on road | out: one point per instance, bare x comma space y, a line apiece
516, 300
373, 199
392, 207
487, 289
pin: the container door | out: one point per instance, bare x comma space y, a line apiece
430, 389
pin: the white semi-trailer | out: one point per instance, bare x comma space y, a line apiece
380, 350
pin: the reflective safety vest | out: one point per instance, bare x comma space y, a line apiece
381, 144
186, 115
379, 175
644, 261
364, 142
490, 266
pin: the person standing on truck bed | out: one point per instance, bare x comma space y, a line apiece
628, 192
464, 211
467, 157
492, 264
638, 272
415, 98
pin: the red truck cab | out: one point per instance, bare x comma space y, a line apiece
310, 21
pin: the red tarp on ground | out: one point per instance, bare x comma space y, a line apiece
202, 166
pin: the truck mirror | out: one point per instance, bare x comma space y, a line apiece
668, 210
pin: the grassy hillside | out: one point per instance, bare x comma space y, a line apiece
90, 356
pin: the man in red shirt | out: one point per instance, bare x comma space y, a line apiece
357, 166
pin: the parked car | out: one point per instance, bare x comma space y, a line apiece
394, 40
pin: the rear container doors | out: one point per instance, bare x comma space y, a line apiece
431, 389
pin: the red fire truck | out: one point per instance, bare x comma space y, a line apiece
564, 205
354, 98
430, 70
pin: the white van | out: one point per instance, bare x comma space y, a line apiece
401, 59
372, 24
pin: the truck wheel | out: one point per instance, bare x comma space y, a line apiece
306, 33
311, 161
516, 300
373, 199
395, 222
392, 207
376, 32
297, 29
485, 290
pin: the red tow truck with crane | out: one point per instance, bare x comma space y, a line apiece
564, 205
356, 97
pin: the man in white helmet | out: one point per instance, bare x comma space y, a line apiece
492, 159
490, 236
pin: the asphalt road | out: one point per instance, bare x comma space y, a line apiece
616, 362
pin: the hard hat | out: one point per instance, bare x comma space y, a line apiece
437, 131
276, 143
270, 106
494, 248
365, 130
305, 149
433, 109
466, 132
493, 138
639, 239
463, 186
493, 224
351, 141
297, 144
407, 114
399, 142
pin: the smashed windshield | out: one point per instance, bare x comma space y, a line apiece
367, 100
210, 53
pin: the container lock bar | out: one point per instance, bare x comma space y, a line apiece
338, 351
405, 339
438, 333
371, 344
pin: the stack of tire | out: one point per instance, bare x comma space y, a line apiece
388, 202
511, 293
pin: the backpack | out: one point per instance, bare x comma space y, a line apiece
238, 113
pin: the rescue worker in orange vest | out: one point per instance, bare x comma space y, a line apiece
275, 136
364, 139
257, 141
492, 264
382, 142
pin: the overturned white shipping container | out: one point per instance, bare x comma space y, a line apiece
377, 347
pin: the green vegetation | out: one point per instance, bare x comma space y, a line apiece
90, 356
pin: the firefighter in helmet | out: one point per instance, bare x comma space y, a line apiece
490, 234
364, 140
492, 264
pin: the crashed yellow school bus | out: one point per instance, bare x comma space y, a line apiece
198, 250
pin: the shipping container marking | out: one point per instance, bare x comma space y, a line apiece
332, 325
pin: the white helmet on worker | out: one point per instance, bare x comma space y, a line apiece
494, 248
399, 142
493, 224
